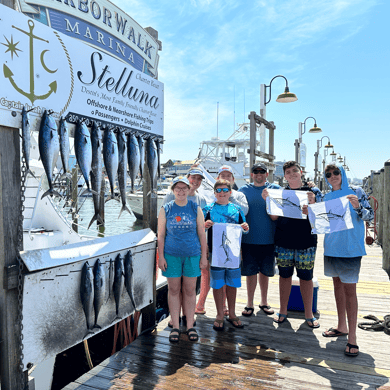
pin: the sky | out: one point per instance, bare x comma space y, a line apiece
334, 53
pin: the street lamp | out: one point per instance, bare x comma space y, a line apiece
298, 141
319, 145
286, 97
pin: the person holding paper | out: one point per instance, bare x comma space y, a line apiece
223, 211
295, 247
182, 252
343, 251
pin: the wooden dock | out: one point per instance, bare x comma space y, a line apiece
262, 355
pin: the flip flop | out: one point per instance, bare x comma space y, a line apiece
312, 325
353, 354
174, 338
200, 311
249, 311
284, 316
192, 334
336, 333
219, 322
234, 321
267, 309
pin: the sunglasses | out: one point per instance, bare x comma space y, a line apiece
336, 172
219, 190
257, 171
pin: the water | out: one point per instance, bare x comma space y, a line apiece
113, 226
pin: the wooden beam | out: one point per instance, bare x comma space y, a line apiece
260, 120
10, 204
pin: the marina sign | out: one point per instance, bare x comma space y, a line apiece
101, 24
44, 69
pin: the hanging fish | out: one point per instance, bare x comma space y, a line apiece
151, 162
96, 171
122, 170
110, 278
99, 285
118, 283
83, 151
86, 295
49, 148
26, 140
64, 147
157, 141
129, 276
134, 158
110, 156
142, 155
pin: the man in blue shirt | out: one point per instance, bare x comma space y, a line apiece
258, 245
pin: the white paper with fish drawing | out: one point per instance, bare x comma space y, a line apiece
330, 216
286, 203
226, 245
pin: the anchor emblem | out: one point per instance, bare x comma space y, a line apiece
8, 73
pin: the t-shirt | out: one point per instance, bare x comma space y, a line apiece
181, 238
262, 228
294, 233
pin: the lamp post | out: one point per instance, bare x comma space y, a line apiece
301, 131
286, 97
316, 154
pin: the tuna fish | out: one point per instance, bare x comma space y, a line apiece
49, 148
129, 276
99, 285
110, 156
26, 139
83, 151
122, 170
151, 162
86, 295
64, 147
96, 171
134, 158
142, 154
157, 141
118, 283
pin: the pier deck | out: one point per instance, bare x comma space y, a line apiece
262, 355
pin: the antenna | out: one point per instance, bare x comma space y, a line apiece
244, 105
217, 117
234, 117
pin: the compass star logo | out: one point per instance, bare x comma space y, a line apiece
11, 47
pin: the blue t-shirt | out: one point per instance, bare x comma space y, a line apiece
262, 228
181, 238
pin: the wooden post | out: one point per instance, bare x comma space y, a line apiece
379, 216
252, 141
386, 219
74, 199
149, 221
10, 209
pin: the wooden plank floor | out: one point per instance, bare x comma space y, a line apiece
262, 355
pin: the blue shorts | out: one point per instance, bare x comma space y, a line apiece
257, 258
182, 266
220, 277
301, 259
346, 268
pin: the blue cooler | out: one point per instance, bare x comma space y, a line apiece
295, 301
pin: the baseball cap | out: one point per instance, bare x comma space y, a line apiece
180, 179
225, 168
259, 165
196, 171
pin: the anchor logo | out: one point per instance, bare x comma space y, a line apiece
8, 73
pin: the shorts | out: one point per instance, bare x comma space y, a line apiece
220, 277
346, 268
257, 258
182, 266
301, 259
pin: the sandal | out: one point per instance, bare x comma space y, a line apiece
219, 322
283, 316
235, 322
192, 334
248, 311
267, 309
173, 337
350, 346
310, 322
335, 333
